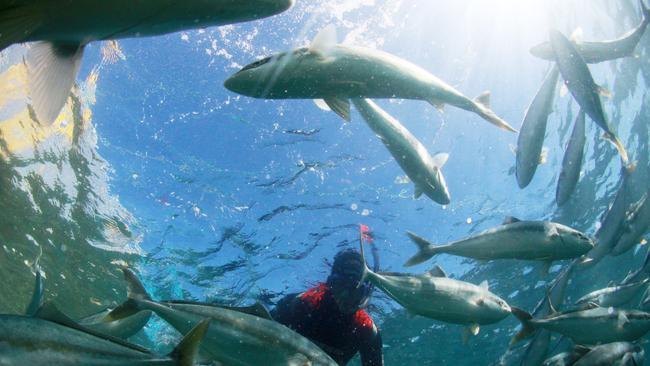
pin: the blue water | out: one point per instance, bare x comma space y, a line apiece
225, 198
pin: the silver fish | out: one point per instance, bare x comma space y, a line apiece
615, 295
588, 327
435, 296
572, 162
580, 83
63, 28
234, 337
423, 170
337, 73
50, 338
636, 224
613, 354
515, 239
610, 223
563, 359
594, 52
533, 129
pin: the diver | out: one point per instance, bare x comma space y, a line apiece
332, 314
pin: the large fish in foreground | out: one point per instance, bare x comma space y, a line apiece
571, 162
613, 354
580, 83
423, 170
51, 338
435, 296
533, 129
594, 52
588, 327
65, 27
337, 73
515, 239
235, 337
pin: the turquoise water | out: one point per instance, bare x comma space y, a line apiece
219, 197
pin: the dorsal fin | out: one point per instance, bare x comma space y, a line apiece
324, 40
510, 220
437, 271
484, 285
483, 99
440, 159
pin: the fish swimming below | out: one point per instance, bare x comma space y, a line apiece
515, 239
423, 170
435, 296
337, 73
64, 28
594, 52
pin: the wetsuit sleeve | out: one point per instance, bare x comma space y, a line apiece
370, 350
290, 311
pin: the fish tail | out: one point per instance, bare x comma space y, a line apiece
527, 327
426, 250
187, 349
621, 150
482, 108
136, 294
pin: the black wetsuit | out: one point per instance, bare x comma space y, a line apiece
315, 315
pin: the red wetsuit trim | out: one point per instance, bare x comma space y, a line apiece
314, 295
363, 320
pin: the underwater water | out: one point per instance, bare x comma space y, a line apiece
214, 196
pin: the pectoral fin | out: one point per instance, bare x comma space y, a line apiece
340, 106
470, 330
51, 70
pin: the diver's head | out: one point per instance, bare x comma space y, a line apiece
343, 282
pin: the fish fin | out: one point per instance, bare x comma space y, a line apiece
485, 285
551, 307
51, 313
577, 35
339, 106
580, 349
51, 70
437, 271
324, 41
187, 350
37, 297
470, 330
610, 284
604, 92
298, 360
552, 232
17, 23
483, 99
621, 149
135, 292
510, 220
320, 103
418, 192
424, 252
134, 288
527, 328
645, 10
564, 90
440, 159
437, 104
622, 320
257, 309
